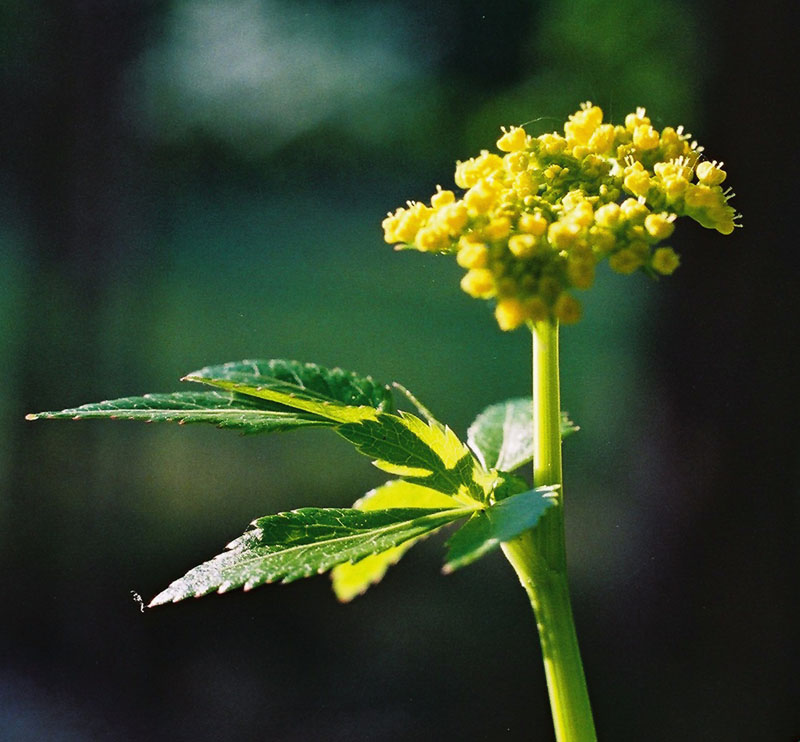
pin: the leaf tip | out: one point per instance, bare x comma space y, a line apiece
32, 416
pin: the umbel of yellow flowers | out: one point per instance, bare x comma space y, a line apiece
533, 223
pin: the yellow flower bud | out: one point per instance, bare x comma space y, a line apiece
512, 140
625, 261
645, 137
522, 245
536, 309
637, 180
515, 162
497, 228
633, 210
534, 224
567, 309
563, 234
432, 239
478, 283
665, 260
634, 120
454, 217
442, 198
479, 198
582, 214
552, 144
510, 314
660, 226
580, 271
608, 216
602, 139
472, 254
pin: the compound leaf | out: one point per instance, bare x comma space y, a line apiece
350, 580
303, 542
502, 435
223, 409
500, 522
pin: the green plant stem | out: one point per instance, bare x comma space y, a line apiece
539, 555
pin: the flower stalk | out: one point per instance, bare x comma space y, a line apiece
539, 555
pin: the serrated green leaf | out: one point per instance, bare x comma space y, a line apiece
502, 435
304, 542
223, 409
350, 580
334, 394
425, 454
500, 522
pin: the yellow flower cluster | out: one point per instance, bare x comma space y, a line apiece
533, 223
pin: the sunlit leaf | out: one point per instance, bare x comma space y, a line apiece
351, 580
304, 542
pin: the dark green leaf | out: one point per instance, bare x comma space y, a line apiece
223, 409
302, 380
304, 542
500, 522
502, 435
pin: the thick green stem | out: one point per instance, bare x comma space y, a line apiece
539, 555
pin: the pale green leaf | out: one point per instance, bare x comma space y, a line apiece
351, 580
500, 522
502, 435
223, 409
304, 542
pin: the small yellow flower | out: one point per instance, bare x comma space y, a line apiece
472, 254
660, 226
522, 245
534, 221
510, 314
567, 309
512, 140
479, 283
534, 224
665, 260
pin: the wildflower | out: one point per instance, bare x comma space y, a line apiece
533, 223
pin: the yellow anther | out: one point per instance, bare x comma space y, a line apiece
637, 179
563, 234
432, 239
479, 198
632, 120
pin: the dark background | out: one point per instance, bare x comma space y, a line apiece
191, 182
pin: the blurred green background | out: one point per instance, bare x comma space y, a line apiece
185, 182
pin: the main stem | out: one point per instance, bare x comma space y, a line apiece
539, 555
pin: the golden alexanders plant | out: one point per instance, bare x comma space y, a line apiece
529, 228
